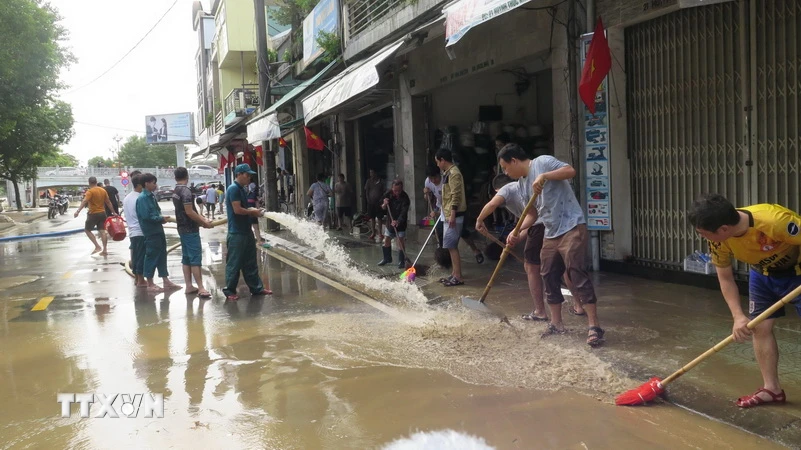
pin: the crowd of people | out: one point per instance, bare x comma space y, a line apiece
148, 242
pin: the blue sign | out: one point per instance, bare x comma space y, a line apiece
124, 182
324, 17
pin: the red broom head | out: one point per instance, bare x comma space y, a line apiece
642, 395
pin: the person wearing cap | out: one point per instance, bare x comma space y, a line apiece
241, 242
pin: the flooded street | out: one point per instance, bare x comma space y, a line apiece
310, 367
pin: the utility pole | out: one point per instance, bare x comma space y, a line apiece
118, 138
268, 153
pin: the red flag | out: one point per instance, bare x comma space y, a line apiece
259, 155
313, 141
247, 158
223, 161
596, 66
282, 142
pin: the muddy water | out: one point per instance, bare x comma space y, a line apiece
308, 368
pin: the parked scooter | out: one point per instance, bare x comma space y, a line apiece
52, 208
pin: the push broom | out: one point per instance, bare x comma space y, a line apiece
410, 273
655, 387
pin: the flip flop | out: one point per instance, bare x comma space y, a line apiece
204, 294
231, 298
573, 311
453, 282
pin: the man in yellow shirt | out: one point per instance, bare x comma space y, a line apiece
97, 200
454, 206
767, 238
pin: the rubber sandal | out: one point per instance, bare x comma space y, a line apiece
596, 337
204, 294
479, 258
444, 280
752, 400
231, 298
552, 330
573, 311
453, 282
263, 292
534, 318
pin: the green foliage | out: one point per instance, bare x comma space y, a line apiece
61, 159
209, 119
330, 43
287, 56
292, 12
32, 53
99, 161
272, 56
136, 152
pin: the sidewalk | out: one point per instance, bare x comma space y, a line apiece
653, 329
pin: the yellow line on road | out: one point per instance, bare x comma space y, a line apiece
338, 286
42, 304
66, 275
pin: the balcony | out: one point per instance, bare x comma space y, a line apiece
240, 102
362, 13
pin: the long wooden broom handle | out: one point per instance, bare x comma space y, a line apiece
722, 344
507, 248
489, 236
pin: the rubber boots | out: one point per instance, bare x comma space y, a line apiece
401, 260
387, 256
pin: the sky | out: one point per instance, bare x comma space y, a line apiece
157, 77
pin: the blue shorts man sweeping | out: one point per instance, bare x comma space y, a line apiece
241, 242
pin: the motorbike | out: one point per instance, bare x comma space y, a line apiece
63, 204
52, 209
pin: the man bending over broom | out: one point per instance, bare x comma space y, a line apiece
767, 238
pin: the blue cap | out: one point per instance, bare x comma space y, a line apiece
243, 168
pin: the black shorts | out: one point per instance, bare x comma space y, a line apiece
96, 220
375, 211
344, 211
534, 244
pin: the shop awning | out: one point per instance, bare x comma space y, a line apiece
265, 126
462, 15
348, 84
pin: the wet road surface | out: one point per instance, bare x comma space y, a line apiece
307, 368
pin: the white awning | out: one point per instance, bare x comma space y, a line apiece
264, 129
462, 15
348, 84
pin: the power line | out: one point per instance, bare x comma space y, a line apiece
129, 51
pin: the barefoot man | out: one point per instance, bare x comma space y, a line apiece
135, 231
189, 223
151, 221
96, 199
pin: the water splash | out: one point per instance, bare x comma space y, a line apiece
315, 237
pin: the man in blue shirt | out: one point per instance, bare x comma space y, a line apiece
241, 242
151, 222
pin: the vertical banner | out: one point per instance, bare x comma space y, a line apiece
597, 154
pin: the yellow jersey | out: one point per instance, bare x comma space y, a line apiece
771, 244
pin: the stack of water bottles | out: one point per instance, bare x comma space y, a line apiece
699, 262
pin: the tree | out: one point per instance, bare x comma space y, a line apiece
99, 161
61, 159
36, 135
138, 153
292, 12
32, 122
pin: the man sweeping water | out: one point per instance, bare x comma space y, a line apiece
767, 238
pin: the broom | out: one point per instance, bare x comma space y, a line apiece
655, 387
411, 273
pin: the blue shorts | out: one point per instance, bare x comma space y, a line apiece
191, 250
764, 291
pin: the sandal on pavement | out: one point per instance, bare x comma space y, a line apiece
204, 294
444, 280
263, 292
479, 258
453, 282
754, 399
595, 337
575, 312
534, 318
231, 297
551, 330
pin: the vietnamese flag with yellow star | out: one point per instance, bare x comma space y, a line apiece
596, 66
313, 141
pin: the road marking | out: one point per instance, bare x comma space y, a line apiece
66, 275
42, 304
338, 286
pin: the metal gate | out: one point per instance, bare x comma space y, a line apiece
713, 107
685, 97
